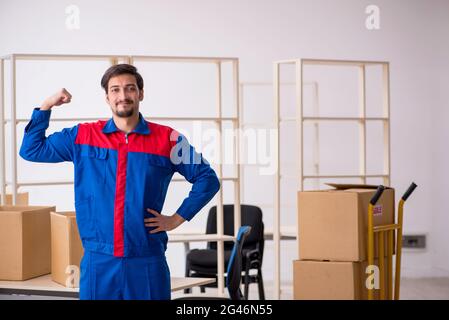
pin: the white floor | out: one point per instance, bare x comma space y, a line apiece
411, 289
425, 289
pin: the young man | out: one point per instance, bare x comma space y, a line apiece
123, 167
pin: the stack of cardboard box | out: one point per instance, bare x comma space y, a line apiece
333, 241
37, 240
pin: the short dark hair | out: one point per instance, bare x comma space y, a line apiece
120, 69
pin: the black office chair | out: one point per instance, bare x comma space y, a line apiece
233, 271
203, 262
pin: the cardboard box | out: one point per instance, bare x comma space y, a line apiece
333, 224
24, 242
328, 280
66, 249
22, 199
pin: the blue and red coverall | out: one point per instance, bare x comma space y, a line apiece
117, 177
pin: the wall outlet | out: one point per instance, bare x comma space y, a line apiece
415, 241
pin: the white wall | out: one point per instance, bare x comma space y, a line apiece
440, 154
413, 37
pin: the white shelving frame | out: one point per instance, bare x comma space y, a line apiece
287, 232
248, 124
299, 65
131, 59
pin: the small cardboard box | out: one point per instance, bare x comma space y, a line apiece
333, 224
66, 249
22, 199
24, 242
328, 280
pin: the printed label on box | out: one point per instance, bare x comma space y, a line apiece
377, 211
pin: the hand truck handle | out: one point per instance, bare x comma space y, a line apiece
380, 190
409, 191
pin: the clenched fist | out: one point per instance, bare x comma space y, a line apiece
60, 97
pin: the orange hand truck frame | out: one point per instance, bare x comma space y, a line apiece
380, 232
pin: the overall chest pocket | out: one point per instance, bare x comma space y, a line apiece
159, 172
94, 163
159, 167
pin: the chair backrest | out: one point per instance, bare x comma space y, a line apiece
234, 270
250, 215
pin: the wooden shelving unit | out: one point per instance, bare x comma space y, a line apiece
219, 119
362, 119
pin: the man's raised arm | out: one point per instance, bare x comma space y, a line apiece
58, 146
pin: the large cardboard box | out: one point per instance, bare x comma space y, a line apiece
333, 224
22, 199
329, 280
24, 242
66, 249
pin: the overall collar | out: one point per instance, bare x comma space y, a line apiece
141, 128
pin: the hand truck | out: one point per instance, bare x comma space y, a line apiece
389, 231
